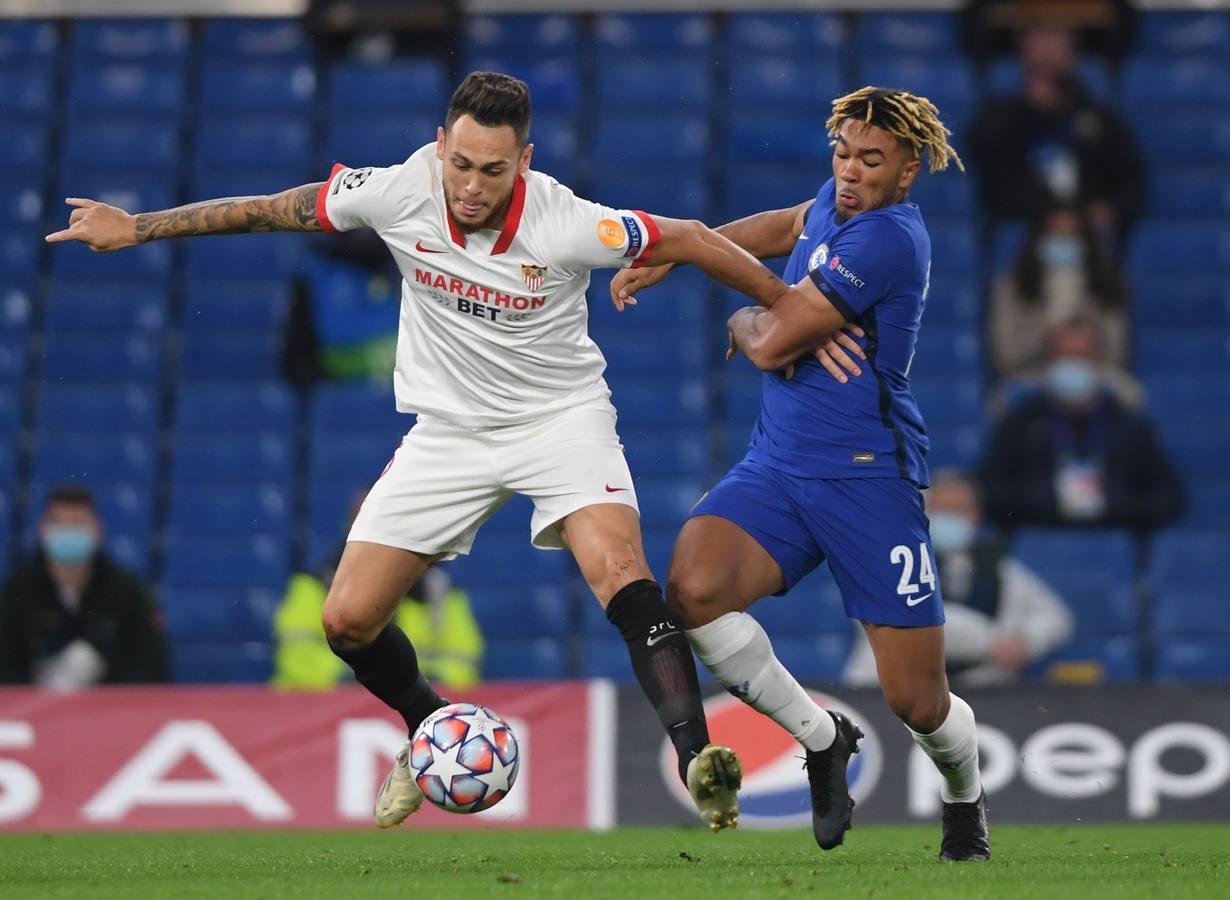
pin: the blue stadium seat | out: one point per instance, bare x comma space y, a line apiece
342, 407
680, 401
10, 411
504, 556
1198, 134
947, 80
244, 256
19, 252
217, 662
515, 611
521, 660
784, 34
1192, 191
954, 352
672, 34
948, 399
676, 189
1101, 605
246, 181
9, 453
398, 89
265, 141
793, 139
628, 137
1209, 505
1200, 445
667, 451
1192, 608
329, 503
257, 40
220, 458
1004, 78
947, 196
666, 502
1187, 554
350, 454
813, 606
125, 507
118, 144
130, 40
218, 407
951, 301
229, 355
25, 95
767, 84
1162, 298
683, 302
27, 42
1116, 659
225, 614
378, 142
756, 187
606, 657
254, 88
742, 389
957, 446
206, 508
12, 359
27, 147
814, 658
94, 456
112, 407
15, 310
21, 203
96, 308
1179, 34
641, 83
226, 561
1173, 395
527, 36
155, 91
908, 32
658, 352
1158, 348
1078, 553
115, 358
555, 83
253, 305
1192, 658
1155, 81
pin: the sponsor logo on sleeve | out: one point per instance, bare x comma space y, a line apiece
635, 236
611, 233
835, 265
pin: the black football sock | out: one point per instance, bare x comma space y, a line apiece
389, 668
663, 663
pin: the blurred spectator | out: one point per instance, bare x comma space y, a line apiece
70, 616
1101, 27
1053, 144
435, 615
375, 31
1062, 272
344, 312
1074, 453
1001, 617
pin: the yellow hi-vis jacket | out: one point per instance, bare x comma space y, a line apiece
442, 628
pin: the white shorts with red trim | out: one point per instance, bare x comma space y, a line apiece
445, 481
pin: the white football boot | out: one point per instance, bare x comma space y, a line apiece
399, 796
714, 778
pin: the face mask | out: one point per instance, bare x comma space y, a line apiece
951, 532
1073, 380
1060, 251
69, 544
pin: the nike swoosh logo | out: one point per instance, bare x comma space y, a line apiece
917, 600
611, 490
421, 249
653, 639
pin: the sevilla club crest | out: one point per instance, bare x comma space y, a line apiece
533, 276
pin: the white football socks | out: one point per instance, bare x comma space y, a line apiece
953, 747
738, 653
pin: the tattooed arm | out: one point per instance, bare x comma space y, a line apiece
103, 228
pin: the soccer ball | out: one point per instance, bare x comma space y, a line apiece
464, 758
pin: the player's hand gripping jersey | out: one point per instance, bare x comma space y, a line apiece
493, 324
874, 268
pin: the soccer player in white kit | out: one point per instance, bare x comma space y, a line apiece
494, 357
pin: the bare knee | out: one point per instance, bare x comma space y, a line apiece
694, 597
922, 707
345, 626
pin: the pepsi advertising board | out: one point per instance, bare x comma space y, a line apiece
1048, 754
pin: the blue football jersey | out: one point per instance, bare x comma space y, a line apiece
874, 268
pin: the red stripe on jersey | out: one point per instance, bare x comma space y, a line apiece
512, 221
453, 231
654, 235
322, 216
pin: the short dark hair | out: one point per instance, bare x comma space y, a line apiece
492, 99
71, 495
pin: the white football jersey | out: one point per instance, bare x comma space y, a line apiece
493, 324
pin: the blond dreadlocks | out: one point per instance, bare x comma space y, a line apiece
913, 120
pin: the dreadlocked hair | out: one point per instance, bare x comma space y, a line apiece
912, 120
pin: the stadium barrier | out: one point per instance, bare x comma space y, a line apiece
592, 756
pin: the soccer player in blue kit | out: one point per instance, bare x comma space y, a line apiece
836, 465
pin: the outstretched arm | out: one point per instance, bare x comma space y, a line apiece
104, 228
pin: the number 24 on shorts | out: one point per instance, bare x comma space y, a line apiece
904, 556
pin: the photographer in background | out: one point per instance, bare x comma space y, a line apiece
70, 616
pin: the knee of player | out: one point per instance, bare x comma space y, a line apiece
694, 598
343, 629
919, 706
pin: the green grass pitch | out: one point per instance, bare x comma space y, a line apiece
1084, 861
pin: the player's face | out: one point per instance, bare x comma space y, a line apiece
871, 168
480, 166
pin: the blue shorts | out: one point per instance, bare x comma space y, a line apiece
873, 532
